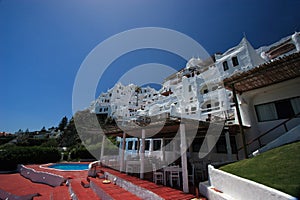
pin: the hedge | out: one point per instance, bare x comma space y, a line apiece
12, 156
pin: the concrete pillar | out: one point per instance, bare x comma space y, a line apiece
174, 149
142, 155
183, 148
228, 146
151, 147
163, 150
122, 158
102, 147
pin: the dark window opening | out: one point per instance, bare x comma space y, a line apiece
225, 66
168, 145
135, 145
156, 145
208, 106
196, 144
235, 61
284, 109
129, 145
147, 145
221, 145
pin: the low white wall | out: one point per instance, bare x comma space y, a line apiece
240, 188
41, 177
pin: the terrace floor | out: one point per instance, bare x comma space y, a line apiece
18, 185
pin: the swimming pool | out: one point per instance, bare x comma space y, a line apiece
69, 166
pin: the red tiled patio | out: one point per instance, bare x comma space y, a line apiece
18, 185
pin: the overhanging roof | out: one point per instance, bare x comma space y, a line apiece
270, 73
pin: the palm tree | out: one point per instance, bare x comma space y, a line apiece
137, 90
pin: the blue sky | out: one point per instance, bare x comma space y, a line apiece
43, 43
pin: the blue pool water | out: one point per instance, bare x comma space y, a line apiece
69, 166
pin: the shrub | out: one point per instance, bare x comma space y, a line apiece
81, 153
12, 156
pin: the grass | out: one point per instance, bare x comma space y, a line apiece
278, 168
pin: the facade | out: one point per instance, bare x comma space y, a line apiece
197, 92
269, 100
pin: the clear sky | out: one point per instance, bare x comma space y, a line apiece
44, 42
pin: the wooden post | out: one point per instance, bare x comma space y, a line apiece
240, 120
122, 159
183, 148
142, 155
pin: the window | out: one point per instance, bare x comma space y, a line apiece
221, 145
193, 109
208, 106
168, 146
225, 66
135, 145
147, 145
282, 109
190, 88
130, 144
156, 145
235, 61
100, 110
197, 144
205, 91
296, 104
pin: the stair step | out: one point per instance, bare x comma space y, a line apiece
111, 191
81, 192
85, 183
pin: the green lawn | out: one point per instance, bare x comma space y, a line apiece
278, 168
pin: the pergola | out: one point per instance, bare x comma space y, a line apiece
169, 127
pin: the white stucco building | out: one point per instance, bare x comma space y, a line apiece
197, 92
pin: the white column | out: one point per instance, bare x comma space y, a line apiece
122, 159
228, 146
142, 155
175, 149
102, 147
163, 150
151, 147
183, 148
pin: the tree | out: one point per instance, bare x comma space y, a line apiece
63, 123
70, 136
137, 90
43, 129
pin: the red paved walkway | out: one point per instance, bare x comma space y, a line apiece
18, 185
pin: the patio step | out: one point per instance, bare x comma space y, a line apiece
146, 189
78, 191
110, 191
